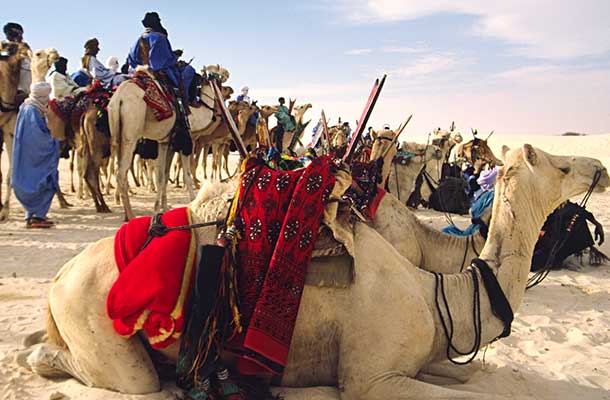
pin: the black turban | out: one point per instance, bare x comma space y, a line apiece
61, 65
151, 20
12, 29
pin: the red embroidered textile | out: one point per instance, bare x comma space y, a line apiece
157, 100
70, 109
153, 287
278, 220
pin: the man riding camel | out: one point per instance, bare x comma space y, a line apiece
285, 121
61, 83
14, 33
154, 50
96, 68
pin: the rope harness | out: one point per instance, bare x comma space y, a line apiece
500, 307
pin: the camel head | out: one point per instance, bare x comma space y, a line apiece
267, 111
426, 152
299, 112
226, 91
42, 61
338, 136
478, 154
217, 70
244, 114
548, 180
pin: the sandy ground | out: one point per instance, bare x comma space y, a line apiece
559, 348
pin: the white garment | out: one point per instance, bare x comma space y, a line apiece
62, 86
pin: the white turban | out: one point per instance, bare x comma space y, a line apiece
113, 63
245, 89
39, 96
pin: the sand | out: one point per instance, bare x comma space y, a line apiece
559, 348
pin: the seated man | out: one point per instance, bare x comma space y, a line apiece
14, 33
61, 83
154, 50
35, 178
96, 69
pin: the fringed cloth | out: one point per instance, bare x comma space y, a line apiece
277, 215
365, 193
152, 290
158, 100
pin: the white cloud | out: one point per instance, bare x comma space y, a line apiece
551, 29
358, 52
425, 65
402, 50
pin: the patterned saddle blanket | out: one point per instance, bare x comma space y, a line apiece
70, 109
160, 101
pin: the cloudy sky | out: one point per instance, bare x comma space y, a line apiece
528, 67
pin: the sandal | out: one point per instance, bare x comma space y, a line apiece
39, 223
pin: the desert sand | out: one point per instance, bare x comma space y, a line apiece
559, 347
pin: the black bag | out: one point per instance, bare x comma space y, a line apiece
148, 149
450, 196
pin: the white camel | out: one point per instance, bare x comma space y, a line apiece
369, 340
130, 120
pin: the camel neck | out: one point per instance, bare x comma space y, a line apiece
9, 81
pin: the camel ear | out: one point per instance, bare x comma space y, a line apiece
529, 154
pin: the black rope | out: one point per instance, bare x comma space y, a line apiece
448, 329
158, 229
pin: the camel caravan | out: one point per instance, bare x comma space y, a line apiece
303, 272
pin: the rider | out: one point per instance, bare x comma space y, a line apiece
285, 123
61, 82
244, 95
14, 33
96, 69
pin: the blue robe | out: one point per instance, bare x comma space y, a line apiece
161, 56
35, 179
479, 207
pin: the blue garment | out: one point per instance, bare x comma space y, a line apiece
161, 56
479, 207
81, 78
35, 179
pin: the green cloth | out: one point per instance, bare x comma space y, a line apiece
285, 119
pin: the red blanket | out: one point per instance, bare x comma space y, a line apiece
157, 100
280, 212
153, 286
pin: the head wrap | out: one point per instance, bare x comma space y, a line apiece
152, 21
39, 96
487, 179
386, 126
178, 52
244, 90
12, 29
91, 45
113, 63
61, 65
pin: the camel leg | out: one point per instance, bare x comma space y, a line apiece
125, 155
446, 373
81, 166
133, 173
8, 141
97, 355
188, 178
109, 174
225, 155
396, 386
163, 161
72, 156
195, 162
63, 203
204, 161
92, 177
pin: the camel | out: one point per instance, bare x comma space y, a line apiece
41, 62
10, 62
287, 140
402, 177
130, 120
389, 299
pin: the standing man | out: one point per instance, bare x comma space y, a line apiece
35, 177
14, 33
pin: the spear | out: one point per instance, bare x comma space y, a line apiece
229, 121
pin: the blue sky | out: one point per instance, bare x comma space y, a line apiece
536, 67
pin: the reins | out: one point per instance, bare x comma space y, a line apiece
158, 229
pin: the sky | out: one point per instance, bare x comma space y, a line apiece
518, 67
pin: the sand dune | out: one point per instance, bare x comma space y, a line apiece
559, 348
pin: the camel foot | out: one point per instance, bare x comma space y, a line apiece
35, 338
65, 204
4, 215
47, 361
104, 209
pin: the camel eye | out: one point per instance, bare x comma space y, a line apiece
565, 170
